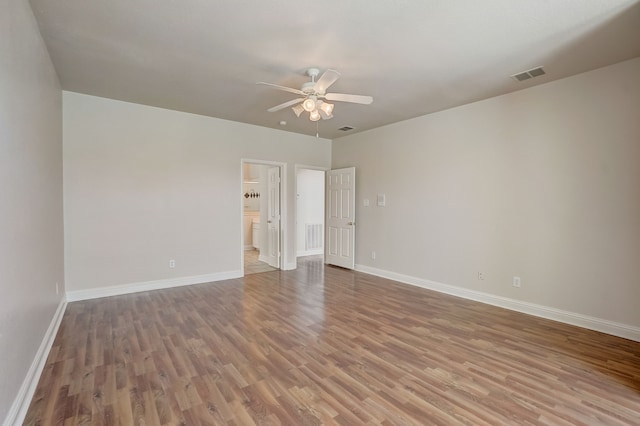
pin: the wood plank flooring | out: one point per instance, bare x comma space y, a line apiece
252, 264
322, 345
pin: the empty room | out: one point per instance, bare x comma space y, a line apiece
340, 212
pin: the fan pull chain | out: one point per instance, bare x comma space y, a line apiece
317, 130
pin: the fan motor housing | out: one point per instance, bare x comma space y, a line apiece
308, 87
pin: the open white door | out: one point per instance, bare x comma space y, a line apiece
341, 217
272, 255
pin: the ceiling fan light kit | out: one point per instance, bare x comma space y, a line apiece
309, 104
314, 115
313, 92
298, 109
326, 107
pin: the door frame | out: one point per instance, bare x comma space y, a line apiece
283, 208
295, 206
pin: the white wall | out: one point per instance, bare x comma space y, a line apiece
543, 183
310, 204
143, 185
31, 246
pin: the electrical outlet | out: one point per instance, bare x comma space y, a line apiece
516, 282
172, 263
366, 202
481, 275
373, 255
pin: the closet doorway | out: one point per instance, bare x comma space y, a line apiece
310, 213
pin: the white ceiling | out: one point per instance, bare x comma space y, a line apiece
413, 56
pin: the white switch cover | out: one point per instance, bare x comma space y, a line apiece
366, 202
382, 200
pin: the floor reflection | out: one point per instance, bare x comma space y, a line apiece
252, 264
310, 289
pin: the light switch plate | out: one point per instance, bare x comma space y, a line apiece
382, 200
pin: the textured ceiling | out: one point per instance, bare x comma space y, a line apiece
413, 57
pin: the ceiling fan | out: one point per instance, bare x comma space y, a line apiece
314, 93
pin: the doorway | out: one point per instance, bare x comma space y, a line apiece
261, 218
310, 212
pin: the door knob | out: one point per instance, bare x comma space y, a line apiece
351, 223
268, 221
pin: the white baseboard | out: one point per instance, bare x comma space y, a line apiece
94, 293
289, 266
567, 317
249, 247
262, 258
18, 409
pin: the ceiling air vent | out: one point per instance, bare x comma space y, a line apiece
346, 128
526, 75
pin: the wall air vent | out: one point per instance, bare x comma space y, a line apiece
526, 75
346, 128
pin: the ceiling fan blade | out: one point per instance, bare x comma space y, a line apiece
327, 79
286, 104
343, 97
286, 89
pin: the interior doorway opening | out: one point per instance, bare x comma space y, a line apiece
310, 211
261, 217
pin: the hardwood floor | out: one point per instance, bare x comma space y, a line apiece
322, 345
252, 264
